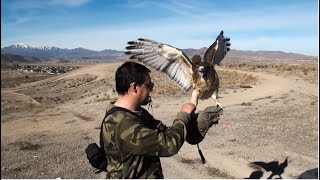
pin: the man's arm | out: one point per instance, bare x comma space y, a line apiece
136, 138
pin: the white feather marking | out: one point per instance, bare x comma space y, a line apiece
146, 56
150, 60
164, 65
177, 77
169, 52
186, 84
181, 80
172, 70
136, 51
156, 63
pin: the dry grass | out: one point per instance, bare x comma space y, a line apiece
14, 78
211, 171
27, 146
19, 107
231, 77
308, 72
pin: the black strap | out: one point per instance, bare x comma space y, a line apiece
201, 155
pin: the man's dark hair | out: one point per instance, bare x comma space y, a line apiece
128, 73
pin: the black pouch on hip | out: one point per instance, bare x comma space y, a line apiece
97, 157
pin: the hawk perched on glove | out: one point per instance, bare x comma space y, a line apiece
198, 74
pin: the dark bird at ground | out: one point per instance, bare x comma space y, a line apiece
274, 167
198, 74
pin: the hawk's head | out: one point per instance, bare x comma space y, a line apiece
200, 65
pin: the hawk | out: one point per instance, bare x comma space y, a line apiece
197, 73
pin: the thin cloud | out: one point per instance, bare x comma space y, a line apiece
184, 24
136, 3
28, 11
179, 8
70, 3
39, 4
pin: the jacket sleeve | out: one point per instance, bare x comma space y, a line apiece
135, 138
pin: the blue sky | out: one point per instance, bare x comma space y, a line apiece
272, 25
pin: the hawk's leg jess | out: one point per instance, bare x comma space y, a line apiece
215, 98
195, 97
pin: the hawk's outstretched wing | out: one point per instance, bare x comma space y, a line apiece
217, 51
164, 58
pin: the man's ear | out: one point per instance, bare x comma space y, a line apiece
134, 87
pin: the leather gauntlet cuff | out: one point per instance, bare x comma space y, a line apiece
201, 123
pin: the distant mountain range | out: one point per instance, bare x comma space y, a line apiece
17, 59
82, 54
10, 58
55, 52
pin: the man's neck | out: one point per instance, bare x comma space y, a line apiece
127, 102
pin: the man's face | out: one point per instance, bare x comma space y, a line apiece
145, 90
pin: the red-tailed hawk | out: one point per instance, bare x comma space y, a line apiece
198, 74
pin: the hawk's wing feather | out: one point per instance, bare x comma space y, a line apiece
218, 50
267, 166
164, 58
284, 164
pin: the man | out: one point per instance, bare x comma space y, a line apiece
133, 139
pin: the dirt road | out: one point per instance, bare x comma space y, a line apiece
275, 119
254, 119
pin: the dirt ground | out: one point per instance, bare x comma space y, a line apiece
47, 124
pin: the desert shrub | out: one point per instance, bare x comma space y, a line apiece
228, 77
246, 104
107, 98
308, 72
15, 107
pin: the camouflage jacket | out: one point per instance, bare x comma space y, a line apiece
134, 143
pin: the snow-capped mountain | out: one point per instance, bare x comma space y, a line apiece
55, 52
20, 45
114, 55
23, 46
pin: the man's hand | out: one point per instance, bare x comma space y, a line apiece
188, 108
201, 123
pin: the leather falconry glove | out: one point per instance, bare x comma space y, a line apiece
202, 122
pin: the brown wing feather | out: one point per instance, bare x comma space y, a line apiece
218, 50
164, 58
